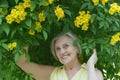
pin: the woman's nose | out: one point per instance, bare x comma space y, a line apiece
62, 51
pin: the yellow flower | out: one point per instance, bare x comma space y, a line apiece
38, 26
45, 3
17, 20
22, 15
50, 1
27, 4
31, 32
11, 46
18, 13
20, 6
95, 2
111, 11
59, 12
1, 11
85, 26
14, 44
41, 16
9, 19
115, 38
114, 8
82, 20
118, 73
104, 1
78, 21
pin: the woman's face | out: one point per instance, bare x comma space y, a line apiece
65, 51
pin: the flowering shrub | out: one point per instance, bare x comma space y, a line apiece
82, 19
34, 23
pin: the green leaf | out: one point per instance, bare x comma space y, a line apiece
67, 12
5, 46
106, 26
16, 79
45, 35
66, 26
28, 22
101, 47
33, 3
0, 56
90, 6
3, 40
102, 23
26, 77
40, 2
13, 32
3, 3
76, 42
87, 50
16, 56
117, 24
50, 18
27, 56
84, 6
6, 28
34, 16
1, 30
30, 76
16, 1
0, 20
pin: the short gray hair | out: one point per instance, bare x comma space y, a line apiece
69, 34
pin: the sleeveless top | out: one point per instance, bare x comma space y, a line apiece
60, 74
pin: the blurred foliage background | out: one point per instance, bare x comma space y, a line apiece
34, 23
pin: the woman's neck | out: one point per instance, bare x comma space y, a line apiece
72, 68
72, 65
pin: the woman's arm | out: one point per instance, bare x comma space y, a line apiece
39, 72
93, 74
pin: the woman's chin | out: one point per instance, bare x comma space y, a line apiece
65, 61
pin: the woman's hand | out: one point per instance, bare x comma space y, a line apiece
93, 73
93, 58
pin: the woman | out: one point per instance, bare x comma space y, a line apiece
67, 53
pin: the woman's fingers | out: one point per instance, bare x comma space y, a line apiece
94, 50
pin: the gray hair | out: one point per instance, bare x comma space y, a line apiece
69, 34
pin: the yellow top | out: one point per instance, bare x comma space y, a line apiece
60, 74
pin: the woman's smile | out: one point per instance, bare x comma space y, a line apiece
65, 56
65, 50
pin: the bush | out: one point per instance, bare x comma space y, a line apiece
36, 22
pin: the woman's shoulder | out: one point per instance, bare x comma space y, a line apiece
57, 72
58, 69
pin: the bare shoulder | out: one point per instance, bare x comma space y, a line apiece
99, 74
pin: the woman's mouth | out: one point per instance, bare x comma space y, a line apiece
65, 56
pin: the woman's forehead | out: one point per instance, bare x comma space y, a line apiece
62, 40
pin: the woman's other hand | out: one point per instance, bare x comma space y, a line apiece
93, 58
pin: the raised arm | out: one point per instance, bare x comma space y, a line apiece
39, 72
93, 73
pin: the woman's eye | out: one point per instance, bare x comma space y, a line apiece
57, 49
66, 45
